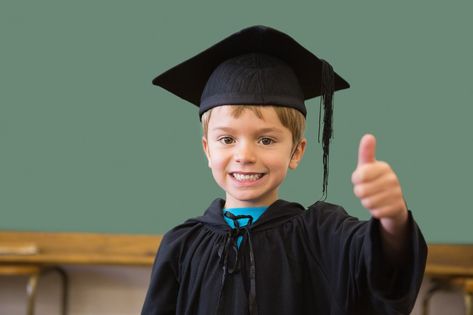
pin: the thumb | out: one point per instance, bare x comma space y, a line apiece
367, 150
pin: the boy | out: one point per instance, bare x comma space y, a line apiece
253, 253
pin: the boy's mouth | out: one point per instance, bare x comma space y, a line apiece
247, 177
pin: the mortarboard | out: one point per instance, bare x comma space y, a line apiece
258, 65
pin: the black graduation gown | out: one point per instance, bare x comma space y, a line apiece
318, 260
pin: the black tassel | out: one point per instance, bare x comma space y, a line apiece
327, 88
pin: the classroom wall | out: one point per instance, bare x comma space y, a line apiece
121, 291
88, 144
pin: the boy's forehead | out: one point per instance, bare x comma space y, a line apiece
226, 115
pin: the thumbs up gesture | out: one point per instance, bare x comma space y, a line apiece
377, 187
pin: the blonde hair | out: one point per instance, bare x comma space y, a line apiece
290, 118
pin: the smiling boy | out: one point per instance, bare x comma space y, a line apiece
253, 253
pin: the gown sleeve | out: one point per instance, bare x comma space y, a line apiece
361, 279
161, 297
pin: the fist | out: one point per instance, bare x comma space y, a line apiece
376, 184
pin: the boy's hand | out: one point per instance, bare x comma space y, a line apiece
378, 188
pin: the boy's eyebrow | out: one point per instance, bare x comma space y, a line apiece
262, 130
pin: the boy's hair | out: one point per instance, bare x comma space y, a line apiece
290, 118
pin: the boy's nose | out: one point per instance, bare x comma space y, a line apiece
245, 154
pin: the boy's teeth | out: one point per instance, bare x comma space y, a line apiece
251, 177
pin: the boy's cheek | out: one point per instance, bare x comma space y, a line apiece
217, 164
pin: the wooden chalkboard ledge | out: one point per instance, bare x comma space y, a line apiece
450, 259
50, 248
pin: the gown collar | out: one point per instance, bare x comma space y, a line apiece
278, 212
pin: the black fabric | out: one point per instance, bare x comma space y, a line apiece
253, 79
314, 261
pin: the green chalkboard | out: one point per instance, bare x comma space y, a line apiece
88, 144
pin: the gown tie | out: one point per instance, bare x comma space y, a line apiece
229, 251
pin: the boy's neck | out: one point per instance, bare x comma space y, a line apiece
232, 203
244, 208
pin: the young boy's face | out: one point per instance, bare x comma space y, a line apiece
249, 156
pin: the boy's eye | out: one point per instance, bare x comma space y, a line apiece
266, 141
226, 140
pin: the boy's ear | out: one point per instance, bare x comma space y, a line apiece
298, 154
205, 146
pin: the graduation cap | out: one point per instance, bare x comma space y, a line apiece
258, 65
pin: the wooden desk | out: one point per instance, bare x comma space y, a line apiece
450, 267
33, 254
